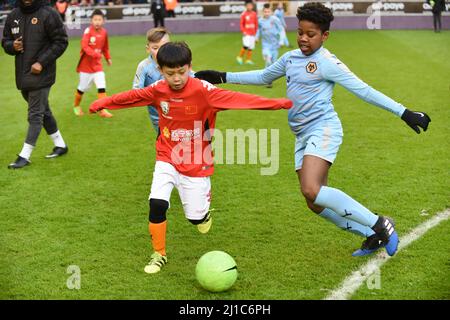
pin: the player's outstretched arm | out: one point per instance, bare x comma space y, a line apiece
221, 99
336, 71
212, 76
416, 119
257, 77
127, 99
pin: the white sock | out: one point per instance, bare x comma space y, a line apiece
26, 151
58, 139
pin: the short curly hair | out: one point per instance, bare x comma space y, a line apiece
317, 13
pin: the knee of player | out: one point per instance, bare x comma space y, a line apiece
158, 209
314, 208
310, 205
310, 192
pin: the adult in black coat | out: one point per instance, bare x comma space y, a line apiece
158, 9
437, 6
34, 33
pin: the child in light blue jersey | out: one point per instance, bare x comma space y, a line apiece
269, 30
279, 13
311, 74
147, 71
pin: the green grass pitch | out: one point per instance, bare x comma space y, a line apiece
90, 207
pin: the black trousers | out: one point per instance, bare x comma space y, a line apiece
170, 13
158, 19
39, 114
437, 23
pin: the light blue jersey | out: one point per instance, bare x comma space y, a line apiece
310, 82
147, 73
279, 13
269, 30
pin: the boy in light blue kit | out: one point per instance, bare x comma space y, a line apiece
147, 71
270, 30
279, 13
311, 74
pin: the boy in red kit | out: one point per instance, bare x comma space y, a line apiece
94, 44
249, 27
187, 109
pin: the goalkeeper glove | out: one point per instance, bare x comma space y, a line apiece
416, 119
212, 76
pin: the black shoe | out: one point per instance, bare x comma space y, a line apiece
57, 152
19, 163
384, 228
369, 246
269, 85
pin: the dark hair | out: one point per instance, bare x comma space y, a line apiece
266, 5
317, 13
174, 55
97, 12
250, 2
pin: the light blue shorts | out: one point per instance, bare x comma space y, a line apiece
271, 54
323, 141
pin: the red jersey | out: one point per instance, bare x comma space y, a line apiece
187, 118
94, 44
249, 23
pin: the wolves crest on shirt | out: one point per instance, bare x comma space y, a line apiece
311, 67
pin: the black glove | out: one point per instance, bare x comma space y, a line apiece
212, 76
416, 119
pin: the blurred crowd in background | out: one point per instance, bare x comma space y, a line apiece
9, 4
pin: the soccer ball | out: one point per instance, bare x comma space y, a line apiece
216, 271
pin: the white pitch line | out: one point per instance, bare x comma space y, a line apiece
357, 278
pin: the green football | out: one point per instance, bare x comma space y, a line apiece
216, 271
